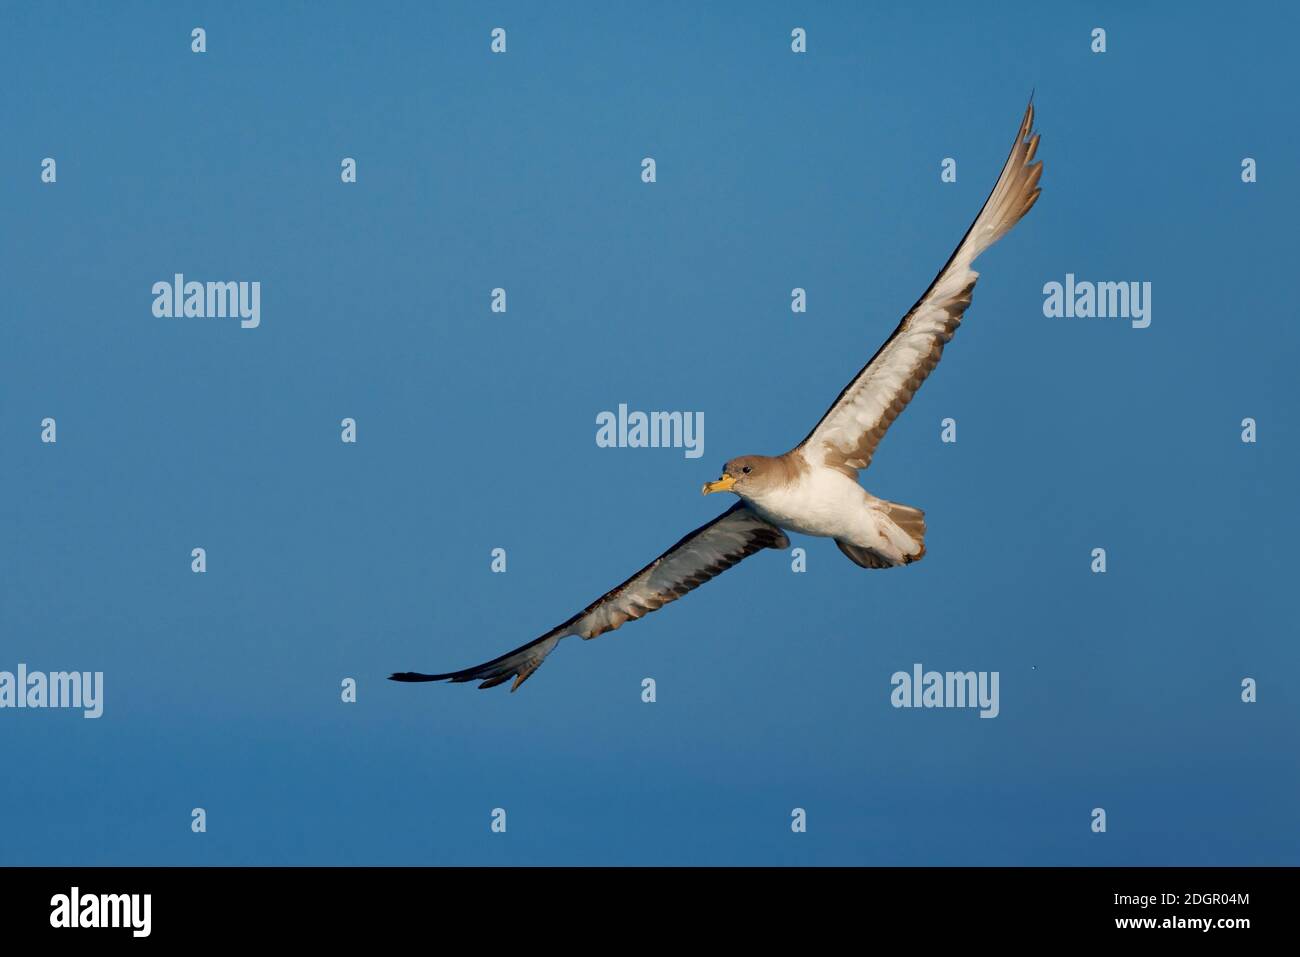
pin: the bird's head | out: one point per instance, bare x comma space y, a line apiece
740, 475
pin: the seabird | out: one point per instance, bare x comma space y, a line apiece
812, 489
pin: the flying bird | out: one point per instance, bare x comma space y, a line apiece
812, 489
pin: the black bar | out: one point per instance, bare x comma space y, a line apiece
330, 905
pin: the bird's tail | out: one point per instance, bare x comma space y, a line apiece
905, 534
911, 521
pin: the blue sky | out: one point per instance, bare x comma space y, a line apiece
477, 431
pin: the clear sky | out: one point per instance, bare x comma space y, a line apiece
476, 430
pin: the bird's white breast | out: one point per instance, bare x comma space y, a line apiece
821, 501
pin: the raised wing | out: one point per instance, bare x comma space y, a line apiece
847, 435
703, 554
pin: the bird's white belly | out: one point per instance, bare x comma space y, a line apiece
822, 502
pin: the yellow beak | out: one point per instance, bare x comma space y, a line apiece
721, 485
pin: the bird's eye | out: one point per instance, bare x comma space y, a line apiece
745, 470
